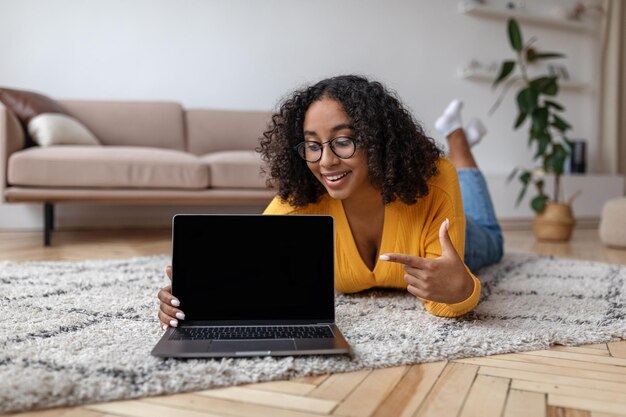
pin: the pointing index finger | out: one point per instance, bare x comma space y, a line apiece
403, 258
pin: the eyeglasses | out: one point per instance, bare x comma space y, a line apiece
311, 151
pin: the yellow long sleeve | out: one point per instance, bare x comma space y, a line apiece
411, 229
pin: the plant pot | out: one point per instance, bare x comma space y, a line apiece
555, 223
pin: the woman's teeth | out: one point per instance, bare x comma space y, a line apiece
336, 177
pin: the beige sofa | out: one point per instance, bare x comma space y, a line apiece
150, 153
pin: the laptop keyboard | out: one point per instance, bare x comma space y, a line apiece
249, 332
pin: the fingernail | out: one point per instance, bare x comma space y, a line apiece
174, 323
164, 327
180, 315
384, 257
175, 302
447, 223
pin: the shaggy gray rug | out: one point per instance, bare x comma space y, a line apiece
81, 332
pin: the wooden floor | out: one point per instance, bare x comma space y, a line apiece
563, 381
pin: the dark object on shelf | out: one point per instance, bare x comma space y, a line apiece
516, 5
559, 71
578, 159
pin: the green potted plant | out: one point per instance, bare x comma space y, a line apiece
539, 111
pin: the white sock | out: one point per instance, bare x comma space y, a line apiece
450, 119
474, 131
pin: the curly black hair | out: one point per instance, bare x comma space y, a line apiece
401, 158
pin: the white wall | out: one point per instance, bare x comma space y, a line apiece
240, 54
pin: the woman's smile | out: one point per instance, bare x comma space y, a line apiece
336, 180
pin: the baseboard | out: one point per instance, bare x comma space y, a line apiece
526, 223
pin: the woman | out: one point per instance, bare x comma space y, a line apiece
347, 147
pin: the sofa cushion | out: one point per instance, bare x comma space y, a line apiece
235, 169
59, 129
26, 104
110, 166
132, 123
211, 130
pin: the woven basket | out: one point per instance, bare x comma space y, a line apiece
555, 223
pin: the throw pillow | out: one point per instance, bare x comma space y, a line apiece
59, 129
28, 104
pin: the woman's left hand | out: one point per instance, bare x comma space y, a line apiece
443, 280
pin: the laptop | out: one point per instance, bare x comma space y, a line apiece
253, 285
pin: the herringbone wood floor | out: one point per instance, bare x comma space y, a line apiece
563, 381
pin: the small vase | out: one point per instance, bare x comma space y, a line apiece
555, 223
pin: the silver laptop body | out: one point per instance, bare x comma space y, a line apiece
253, 285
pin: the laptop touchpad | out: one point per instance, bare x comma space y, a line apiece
251, 345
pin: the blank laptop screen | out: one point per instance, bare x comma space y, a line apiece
254, 267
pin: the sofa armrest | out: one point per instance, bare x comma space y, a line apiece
11, 140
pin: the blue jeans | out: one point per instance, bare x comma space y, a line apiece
483, 236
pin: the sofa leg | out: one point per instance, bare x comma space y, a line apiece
48, 222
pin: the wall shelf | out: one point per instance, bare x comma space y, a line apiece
485, 76
476, 9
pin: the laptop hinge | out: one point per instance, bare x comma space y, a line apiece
202, 323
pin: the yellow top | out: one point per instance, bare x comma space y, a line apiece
411, 229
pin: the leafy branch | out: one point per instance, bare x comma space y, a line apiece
535, 103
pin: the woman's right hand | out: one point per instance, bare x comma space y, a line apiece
169, 314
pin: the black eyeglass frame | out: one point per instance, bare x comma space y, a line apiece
330, 142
